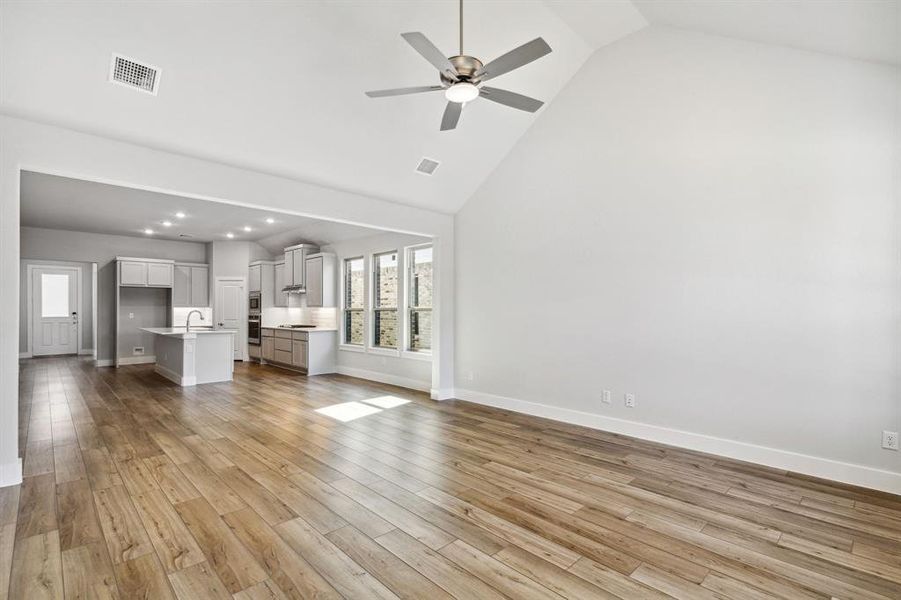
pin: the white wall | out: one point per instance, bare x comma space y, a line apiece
401, 368
49, 149
712, 225
37, 243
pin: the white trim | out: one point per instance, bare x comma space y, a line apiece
441, 394
352, 348
175, 377
30, 267
378, 351
24, 354
104, 362
412, 355
861, 475
406, 382
137, 360
88, 352
11, 473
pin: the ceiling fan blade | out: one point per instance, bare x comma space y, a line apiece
451, 115
431, 53
514, 59
403, 91
511, 99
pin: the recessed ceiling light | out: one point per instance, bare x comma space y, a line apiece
246, 228
148, 231
270, 220
180, 215
229, 235
167, 223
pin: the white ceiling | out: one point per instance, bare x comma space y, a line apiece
55, 202
278, 86
862, 29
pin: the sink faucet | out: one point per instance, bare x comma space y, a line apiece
188, 320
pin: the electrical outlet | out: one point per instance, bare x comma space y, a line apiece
890, 440
138, 351
630, 400
131, 315
470, 376
608, 397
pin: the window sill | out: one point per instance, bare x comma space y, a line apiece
351, 348
423, 356
384, 351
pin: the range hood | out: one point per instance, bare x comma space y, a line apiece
294, 289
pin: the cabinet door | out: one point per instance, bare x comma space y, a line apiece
289, 268
281, 298
298, 267
255, 282
159, 274
268, 348
181, 286
200, 286
314, 281
299, 354
132, 273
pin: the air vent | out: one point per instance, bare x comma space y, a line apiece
133, 74
427, 166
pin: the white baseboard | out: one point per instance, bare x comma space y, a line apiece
175, 377
104, 362
86, 352
887, 481
443, 394
406, 382
11, 473
137, 360
24, 354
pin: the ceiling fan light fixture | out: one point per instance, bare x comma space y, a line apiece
461, 92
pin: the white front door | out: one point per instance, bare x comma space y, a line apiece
54, 295
230, 310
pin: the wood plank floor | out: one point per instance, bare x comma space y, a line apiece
136, 488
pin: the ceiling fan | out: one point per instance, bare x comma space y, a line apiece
462, 76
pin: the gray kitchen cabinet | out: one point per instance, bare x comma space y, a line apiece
295, 264
310, 351
280, 297
181, 286
132, 273
159, 274
321, 279
200, 286
299, 354
268, 348
190, 285
145, 272
255, 281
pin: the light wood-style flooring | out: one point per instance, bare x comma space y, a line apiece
136, 488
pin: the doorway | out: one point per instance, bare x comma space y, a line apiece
54, 303
230, 310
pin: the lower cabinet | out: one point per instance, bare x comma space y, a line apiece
267, 348
299, 354
310, 352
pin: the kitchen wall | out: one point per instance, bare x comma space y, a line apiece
52, 244
712, 225
398, 369
86, 318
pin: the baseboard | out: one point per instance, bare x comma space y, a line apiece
86, 352
11, 473
442, 394
104, 362
24, 354
406, 382
825, 468
137, 360
175, 377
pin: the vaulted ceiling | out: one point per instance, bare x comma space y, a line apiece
278, 86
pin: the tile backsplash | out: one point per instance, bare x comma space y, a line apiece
321, 317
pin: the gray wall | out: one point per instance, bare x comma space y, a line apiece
86, 318
51, 244
710, 224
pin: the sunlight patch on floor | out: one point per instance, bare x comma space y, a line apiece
386, 401
348, 411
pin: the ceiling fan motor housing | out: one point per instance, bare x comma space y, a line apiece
466, 67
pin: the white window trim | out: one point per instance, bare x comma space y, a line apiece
371, 347
342, 343
425, 355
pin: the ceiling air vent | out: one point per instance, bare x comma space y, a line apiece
133, 74
427, 166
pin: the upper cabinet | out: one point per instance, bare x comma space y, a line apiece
255, 280
136, 272
320, 279
280, 297
191, 285
295, 264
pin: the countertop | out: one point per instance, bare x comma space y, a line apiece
310, 329
180, 331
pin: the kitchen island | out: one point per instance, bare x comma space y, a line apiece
198, 356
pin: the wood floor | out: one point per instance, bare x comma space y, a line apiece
135, 488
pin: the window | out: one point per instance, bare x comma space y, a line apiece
384, 300
54, 295
354, 301
419, 295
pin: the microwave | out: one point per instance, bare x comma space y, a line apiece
255, 304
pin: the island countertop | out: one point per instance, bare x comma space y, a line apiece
179, 332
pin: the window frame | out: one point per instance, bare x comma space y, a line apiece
375, 306
345, 309
409, 309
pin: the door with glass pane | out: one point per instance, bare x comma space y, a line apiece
54, 311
